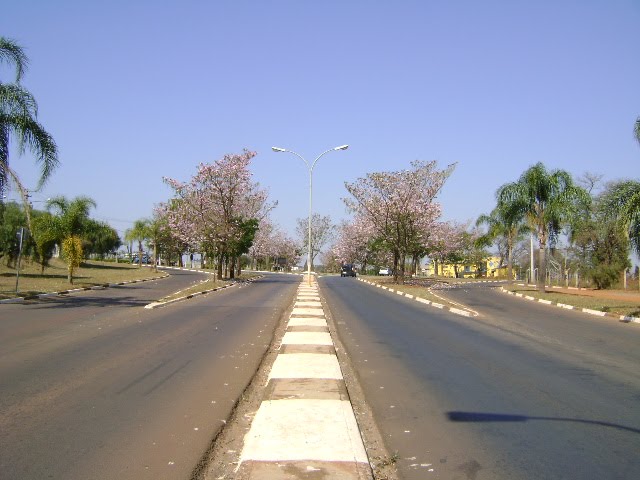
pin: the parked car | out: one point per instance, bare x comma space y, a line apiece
146, 259
385, 271
347, 270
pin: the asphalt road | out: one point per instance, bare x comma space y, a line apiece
95, 386
523, 391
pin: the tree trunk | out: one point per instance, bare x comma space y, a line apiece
509, 264
542, 268
232, 268
395, 267
219, 267
155, 257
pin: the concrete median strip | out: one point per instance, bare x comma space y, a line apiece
305, 426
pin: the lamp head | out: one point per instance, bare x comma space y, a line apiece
341, 147
278, 149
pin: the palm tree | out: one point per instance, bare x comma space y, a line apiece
69, 223
546, 200
139, 233
505, 222
18, 118
621, 201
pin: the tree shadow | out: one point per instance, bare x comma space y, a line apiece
477, 417
73, 301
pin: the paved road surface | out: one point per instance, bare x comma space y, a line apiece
95, 386
524, 391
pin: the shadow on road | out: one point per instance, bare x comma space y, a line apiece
63, 301
474, 417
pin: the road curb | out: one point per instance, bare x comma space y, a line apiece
622, 318
305, 382
456, 311
190, 296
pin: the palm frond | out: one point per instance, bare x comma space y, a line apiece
32, 134
15, 100
12, 53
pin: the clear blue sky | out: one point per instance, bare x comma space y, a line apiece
136, 90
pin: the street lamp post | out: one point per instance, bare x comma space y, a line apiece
310, 168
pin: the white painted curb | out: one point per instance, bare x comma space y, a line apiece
598, 313
457, 311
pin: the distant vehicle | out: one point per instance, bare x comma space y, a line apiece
146, 259
347, 270
385, 271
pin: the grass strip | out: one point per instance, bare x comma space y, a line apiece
607, 305
54, 278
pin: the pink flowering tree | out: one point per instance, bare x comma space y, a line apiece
446, 242
400, 208
271, 245
357, 244
219, 210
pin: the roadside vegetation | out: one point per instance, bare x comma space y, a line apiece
90, 273
584, 230
618, 302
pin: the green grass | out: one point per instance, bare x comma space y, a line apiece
615, 306
54, 278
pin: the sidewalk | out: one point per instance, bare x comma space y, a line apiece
305, 427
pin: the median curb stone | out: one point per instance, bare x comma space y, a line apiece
622, 318
456, 311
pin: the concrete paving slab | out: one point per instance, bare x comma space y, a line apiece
308, 470
306, 365
308, 321
307, 338
330, 432
307, 304
305, 311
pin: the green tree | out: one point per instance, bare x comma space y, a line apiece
547, 200
621, 200
69, 227
504, 222
45, 237
12, 217
18, 118
609, 257
138, 233
100, 238
242, 243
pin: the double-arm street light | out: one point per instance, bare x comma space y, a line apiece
310, 168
